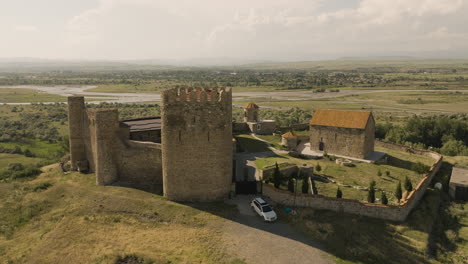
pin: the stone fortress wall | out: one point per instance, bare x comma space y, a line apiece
387, 212
98, 144
197, 144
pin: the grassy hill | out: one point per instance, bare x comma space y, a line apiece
59, 218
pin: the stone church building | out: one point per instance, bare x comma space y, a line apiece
345, 133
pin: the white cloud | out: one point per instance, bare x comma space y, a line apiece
267, 29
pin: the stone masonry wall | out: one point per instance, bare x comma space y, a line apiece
197, 144
105, 145
386, 212
340, 141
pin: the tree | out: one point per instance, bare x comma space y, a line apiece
371, 193
318, 168
305, 185
408, 185
291, 185
398, 192
384, 198
339, 193
277, 177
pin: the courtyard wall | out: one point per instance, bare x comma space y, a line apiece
387, 212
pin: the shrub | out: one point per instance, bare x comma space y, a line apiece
28, 172
339, 193
398, 191
15, 167
42, 186
420, 168
384, 198
387, 173
379, 173
28, 153
318, 168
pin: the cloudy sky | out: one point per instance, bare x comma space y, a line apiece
247, 29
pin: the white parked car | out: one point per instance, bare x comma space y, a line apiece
263, 209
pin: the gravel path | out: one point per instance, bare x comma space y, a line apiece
258, 242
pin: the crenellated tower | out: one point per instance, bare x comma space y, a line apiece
196, 144
76, 121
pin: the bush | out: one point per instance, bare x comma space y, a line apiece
26, 173
379, 173
408, 185
42, 186
387, 173
28, 153
420, 168
339, 193
318, 168
15, 167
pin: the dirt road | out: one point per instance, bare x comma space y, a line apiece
255, 241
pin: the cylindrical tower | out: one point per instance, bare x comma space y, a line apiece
251, 112
196, 144
76, 112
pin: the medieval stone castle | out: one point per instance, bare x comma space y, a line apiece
193, 161
189, 149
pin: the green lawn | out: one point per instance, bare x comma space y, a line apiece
14, 95
361, 175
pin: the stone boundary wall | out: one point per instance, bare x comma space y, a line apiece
387, 212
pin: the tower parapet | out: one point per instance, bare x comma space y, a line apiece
196, 143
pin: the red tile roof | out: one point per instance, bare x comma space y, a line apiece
340, 118
251, 105
289, 135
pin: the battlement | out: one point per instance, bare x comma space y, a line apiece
191, 95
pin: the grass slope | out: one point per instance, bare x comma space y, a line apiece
74, 221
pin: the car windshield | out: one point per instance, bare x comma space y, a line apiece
266, 209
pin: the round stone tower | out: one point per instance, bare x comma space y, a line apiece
251, 112
196, 144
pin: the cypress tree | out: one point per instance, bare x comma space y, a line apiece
291, 185
398, 192
339, 193
408, 185
371, 193
384, 198
305, 185
277, 176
